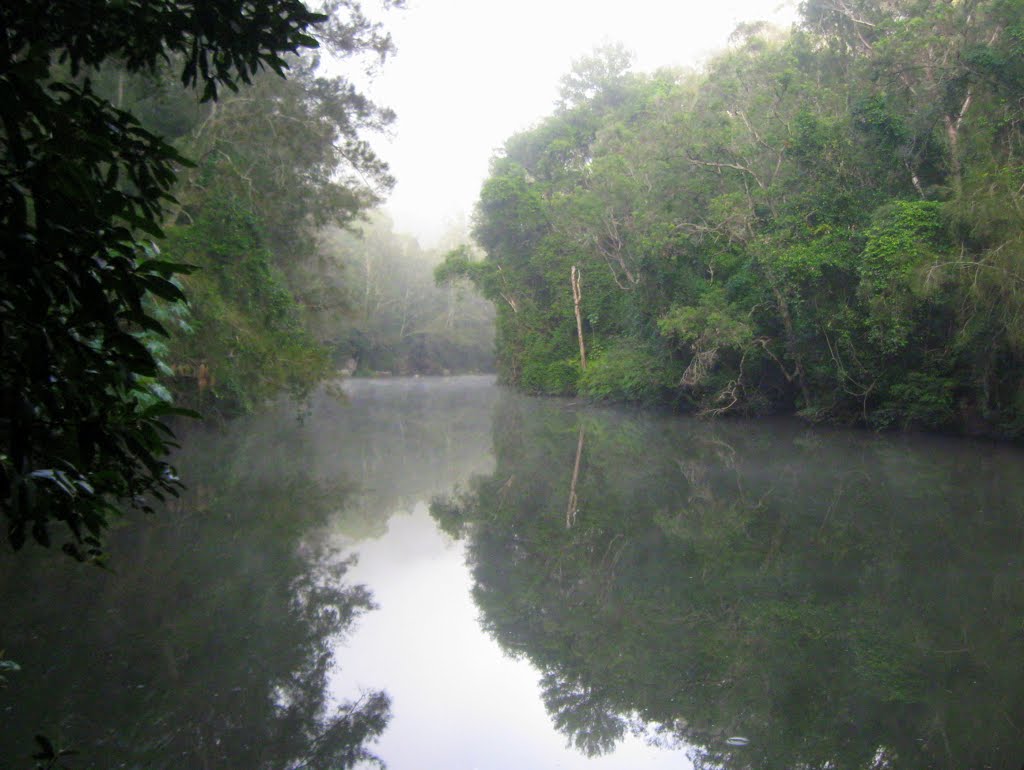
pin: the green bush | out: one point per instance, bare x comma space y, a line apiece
245, 340
921, 401
551, 378
628, 371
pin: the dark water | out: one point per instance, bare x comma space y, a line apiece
538, 584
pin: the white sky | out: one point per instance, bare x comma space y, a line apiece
470, 73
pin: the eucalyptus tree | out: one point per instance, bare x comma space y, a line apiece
275, 164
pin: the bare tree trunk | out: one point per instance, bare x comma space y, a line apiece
405, 314
915, 180
576, 297
953, 125
366, 289
449, 320
573, 507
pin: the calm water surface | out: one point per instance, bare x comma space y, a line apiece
443, 574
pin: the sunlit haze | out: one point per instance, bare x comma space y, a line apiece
468, 74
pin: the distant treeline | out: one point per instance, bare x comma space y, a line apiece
398, 321
828, 220
294, 283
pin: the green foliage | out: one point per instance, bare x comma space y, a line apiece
601, 75
902, 236
901, 244
222, 45
711, 323
85, 187
824, 221
622, 371
919, 400
552, 378
246, 341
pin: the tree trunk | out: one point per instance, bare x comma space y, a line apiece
576, 297
953, 124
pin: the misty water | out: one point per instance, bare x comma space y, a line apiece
536, 584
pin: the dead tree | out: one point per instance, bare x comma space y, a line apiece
576, 297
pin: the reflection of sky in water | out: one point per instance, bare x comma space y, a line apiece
878, 583
459, 703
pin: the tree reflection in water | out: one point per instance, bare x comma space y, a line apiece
210, 642
772, 597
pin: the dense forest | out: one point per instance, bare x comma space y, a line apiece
185, 229
826, 220
295, 277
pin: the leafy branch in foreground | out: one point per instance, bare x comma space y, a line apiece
83, 190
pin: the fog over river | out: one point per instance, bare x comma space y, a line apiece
444, 574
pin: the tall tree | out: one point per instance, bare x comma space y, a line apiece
84, 190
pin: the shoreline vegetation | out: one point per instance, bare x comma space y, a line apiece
826, 221
188, 228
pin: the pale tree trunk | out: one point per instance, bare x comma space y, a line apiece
953, 125
406, 309
577, 295
368, 267
449, 320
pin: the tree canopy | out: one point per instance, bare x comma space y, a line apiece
825, 220
88, 186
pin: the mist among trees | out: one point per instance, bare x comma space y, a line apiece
826, 220
174, 197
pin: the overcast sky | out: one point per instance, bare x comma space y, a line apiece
470, 73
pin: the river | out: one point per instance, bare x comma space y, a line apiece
442, 574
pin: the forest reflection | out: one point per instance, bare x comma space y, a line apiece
771, 596
210, 641
756, 594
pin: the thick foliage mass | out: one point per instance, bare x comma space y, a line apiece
93, 140
826, 221
273, 166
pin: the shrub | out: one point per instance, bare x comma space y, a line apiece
551, 378
626, 370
